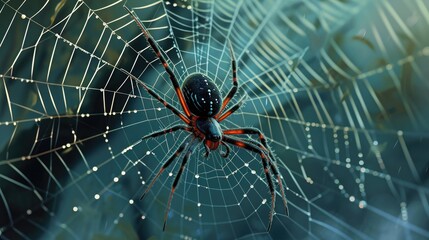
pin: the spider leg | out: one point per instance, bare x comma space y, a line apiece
239, 131
166, 164
176, 180
155, 95
222, 153
271, 159
231, 110
276, 173
274, 170
234, 88
207, 150
168, 130
155, 48
226, 153
253, 148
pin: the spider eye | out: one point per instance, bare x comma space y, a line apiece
215, 137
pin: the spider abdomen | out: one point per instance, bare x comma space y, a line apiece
201, 95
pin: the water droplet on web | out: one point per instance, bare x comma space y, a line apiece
362, 204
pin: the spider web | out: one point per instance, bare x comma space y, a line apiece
338, 88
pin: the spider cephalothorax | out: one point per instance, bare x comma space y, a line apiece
203, 111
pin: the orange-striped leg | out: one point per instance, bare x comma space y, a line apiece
234, 88
155, 48
168, 130
166, 164
265, 147
155, 95
176, 180
240, 131
231, 110
253, 148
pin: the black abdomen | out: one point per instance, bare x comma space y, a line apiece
201, 95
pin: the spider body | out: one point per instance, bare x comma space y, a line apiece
204, 101
203, 111
201, 95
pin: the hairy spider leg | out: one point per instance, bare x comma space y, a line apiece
168, 130
155, 95
234, 88
231, 110
274, 169
271, 159
253, 148
276, 173
176, 180
155, 48
166, 164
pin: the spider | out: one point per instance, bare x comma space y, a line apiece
203, 111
